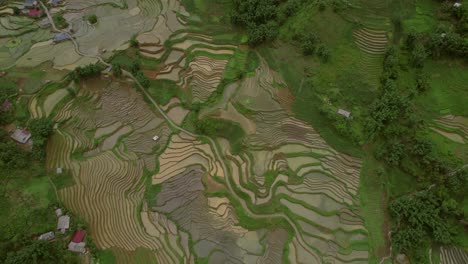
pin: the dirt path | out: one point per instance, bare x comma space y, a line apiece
174, 125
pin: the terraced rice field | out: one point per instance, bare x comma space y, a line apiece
453, 255
207, 202
453, 127
109, 188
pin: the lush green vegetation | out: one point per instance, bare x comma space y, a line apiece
92, 19
214, 127
59, 21
421, 78
88, 71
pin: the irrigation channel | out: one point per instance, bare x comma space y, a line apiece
174, 125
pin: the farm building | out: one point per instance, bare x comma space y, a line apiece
30, 3
344, 113
6, 106
54, 2
59, 37
77, 243
63, 223
47, 236
21, 135
35, 12
58, 212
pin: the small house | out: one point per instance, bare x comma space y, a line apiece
21, 135
63, 223
59, 170
59, 37
77, 243
155, 138
77, 247
58, 212
47, 236
457, 4
6, 106
35, 12
54, 2
344, 113
29, 3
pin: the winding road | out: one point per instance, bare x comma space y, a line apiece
212, 142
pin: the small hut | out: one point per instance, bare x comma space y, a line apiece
63, 223
344, 113
47, 236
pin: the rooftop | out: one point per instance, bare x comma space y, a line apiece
47, 236
63, 223
344, 113
79, 236
35, 12
60, 37
21, 135
77, 247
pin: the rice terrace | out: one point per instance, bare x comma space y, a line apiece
234, 131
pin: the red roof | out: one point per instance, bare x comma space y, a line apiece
79, 236
35, 12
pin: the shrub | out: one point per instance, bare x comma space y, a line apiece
308, 43
59, 21
92, 19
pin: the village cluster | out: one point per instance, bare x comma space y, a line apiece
77, 243
31, 8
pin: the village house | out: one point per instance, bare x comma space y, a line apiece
34, 12
63, 223
344, 113
59, 37
20, 135
30, 3
58, 212
54, 2
77, 243
47, 236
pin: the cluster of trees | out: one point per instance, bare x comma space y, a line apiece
88, 71
259, 17
40, 130
38, 251
59, 21
135, 69
428, 216
213, 127
92, 19
7, 94
11, 155
310, 44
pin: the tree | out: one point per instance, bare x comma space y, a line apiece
135, 67
133, 42
323, 53
59, 21
7, 89
117, 70
418, 55
16, 10
142, 79
308, 43
92, 19
12, 156
422, 82
259, 17
40, 129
